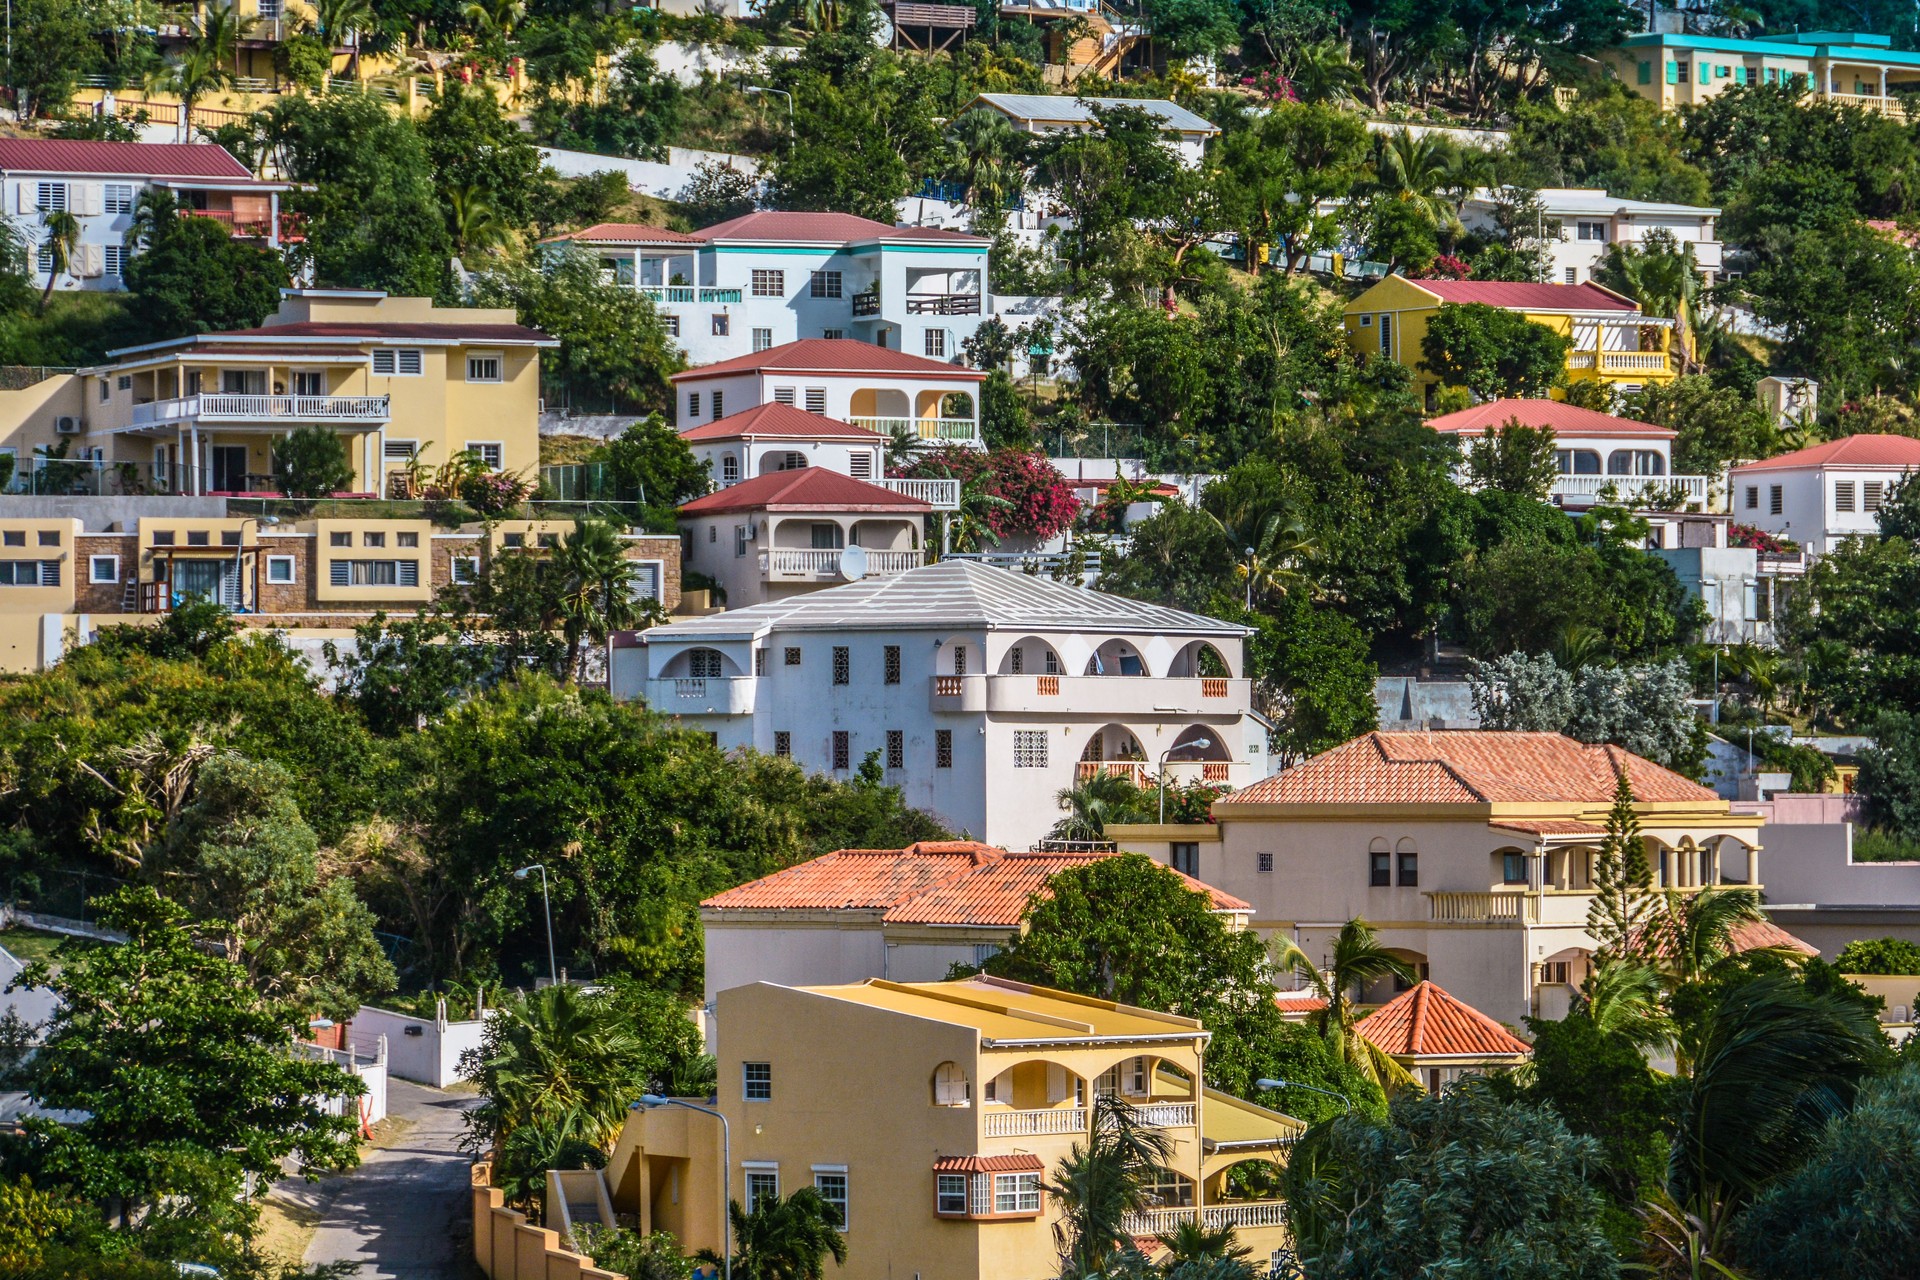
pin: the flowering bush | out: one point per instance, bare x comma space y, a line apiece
1444, 267
493, 493
1189, 802
1039, 501
1271, 84
1772, 544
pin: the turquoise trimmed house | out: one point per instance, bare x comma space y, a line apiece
1850, 67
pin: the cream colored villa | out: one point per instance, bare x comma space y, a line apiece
1472, 853
930, 1115
398, 379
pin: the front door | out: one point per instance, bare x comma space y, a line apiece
217, 581
229, 468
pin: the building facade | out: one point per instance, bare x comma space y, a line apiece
1597, 453
770, 278
1470, 851
402, 382
1852, 68
101, 183
1039, 113
69, 567
1439, 1039
1591, 220
931, 1116
1820, 496
981, 692
906, 915
1609, 339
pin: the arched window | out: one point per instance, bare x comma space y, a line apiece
729, 469
1379, 864
1620, 462
950, 1086
959, 659
1408, 856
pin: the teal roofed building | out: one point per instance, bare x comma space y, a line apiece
1851, 67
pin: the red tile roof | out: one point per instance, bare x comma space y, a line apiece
134, 159
1019, 1163
1427, 1022
1299, 1001
807, 489
779, 420
1848, 451
1523, 296
831, 228
951, 882
1467, 767
628, 233
1757, 935
833, 355
1554, 415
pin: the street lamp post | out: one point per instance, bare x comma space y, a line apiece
1250, 554
553, 969
726, 1166
1310, 1088
1199, 743
755, 89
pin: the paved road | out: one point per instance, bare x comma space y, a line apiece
402, 1215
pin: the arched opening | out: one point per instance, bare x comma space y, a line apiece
1406, 863
1030, 656
1200, 658
878, 402
729, 468
886, 535
1578, 462
1510, 869
1113, 749
951, 1088
1032, 1098
699, 664
1380, 863
1117, 658
782, 460
956, 404
1250, 1178
1198, 742
1636, 462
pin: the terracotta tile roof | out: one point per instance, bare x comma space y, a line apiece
626, 233
807, 489
832, 355
1298, 1002
825, 228
1848, 451
952, 882
1550, 827
776, 419
1426, 1021
1018, 1163
1523, 296
1554, 415
1756, 935
134, 159
1467, 767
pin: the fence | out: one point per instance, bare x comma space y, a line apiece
1100, 440
60, 895
369, 1068
586, 482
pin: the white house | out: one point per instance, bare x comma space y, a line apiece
1051, 113
797, 530
1590, 220
779, 437
1595, 450
1820, 495
101, 182
771, 278
982, 692
869, 386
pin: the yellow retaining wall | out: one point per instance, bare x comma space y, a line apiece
507, 1247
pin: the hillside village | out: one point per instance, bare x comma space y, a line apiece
1140, 639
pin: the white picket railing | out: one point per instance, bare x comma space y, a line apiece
944, 495
1154, 1222
1586, 486
221, 406
1485, 908
804, 562
922, 428
1033, 1124
1166, 1115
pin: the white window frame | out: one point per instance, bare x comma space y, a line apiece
752, 1169
465, 570
50, 196
936, 344
762, 339
113, 260
1016, 1192
767, 282
944, 1187
496, 448
392, 450
814, 400
397, 360
93, 569
747, 1082
1843, 496
275, 564
483, 358
839, 1171
118, 197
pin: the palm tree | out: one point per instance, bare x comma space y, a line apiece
1358, 960
562, 1140
1098, 1183
786, 1239
334, 19
153, 209
1775, 1063
1323, 72
595, 587
1270, 544
1416, 169
1621, 996
1193, 1242
1661, 276
1093, 803
490, 18
556, 1051
987, 164
63, 235
1689, 934
1578, 645
477, 224
972, 521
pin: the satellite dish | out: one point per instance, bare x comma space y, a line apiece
882, 30
853, 563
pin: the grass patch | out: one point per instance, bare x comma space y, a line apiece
29, 946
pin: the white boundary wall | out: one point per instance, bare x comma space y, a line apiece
424, 1050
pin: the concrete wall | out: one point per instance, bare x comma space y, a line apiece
833, 949
506, 1247
424, 1050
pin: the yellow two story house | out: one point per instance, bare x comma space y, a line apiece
1610, 339
398, 379
933, 1116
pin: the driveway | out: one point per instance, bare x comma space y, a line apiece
404, 1212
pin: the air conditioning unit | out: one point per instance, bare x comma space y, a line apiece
66, 425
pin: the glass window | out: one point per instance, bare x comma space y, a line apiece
23, 573
1513, 868
466, 569
103, 568
722, 324
769, 284
483, 366
762, 1185
339, 539
756, 1081
406, 539
513, 540
833, 1189
825, 284
373, 539
280, 569
489, 452
762, 339
1029, 748
950, 1193
937, 344
1379, 866
1409, 865
1185, 856
1016, 1193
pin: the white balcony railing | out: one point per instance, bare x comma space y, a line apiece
1256, 1213
945, 429
1485, 908
1692, 488
943, 494
223, 407
1033, 1124
1166, 1115
807, 563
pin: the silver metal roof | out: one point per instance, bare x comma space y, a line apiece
953, 593
1063, 107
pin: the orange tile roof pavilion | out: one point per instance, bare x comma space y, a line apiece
1426, 1022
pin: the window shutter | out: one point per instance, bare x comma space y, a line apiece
49, 573
409, 360
1646, 73
409, 573
29, 201
1673, 73
337, 572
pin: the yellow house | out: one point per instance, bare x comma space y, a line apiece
1611, 341
398, 379
932, 1115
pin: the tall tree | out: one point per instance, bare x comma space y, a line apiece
1622, 882
1357, 961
